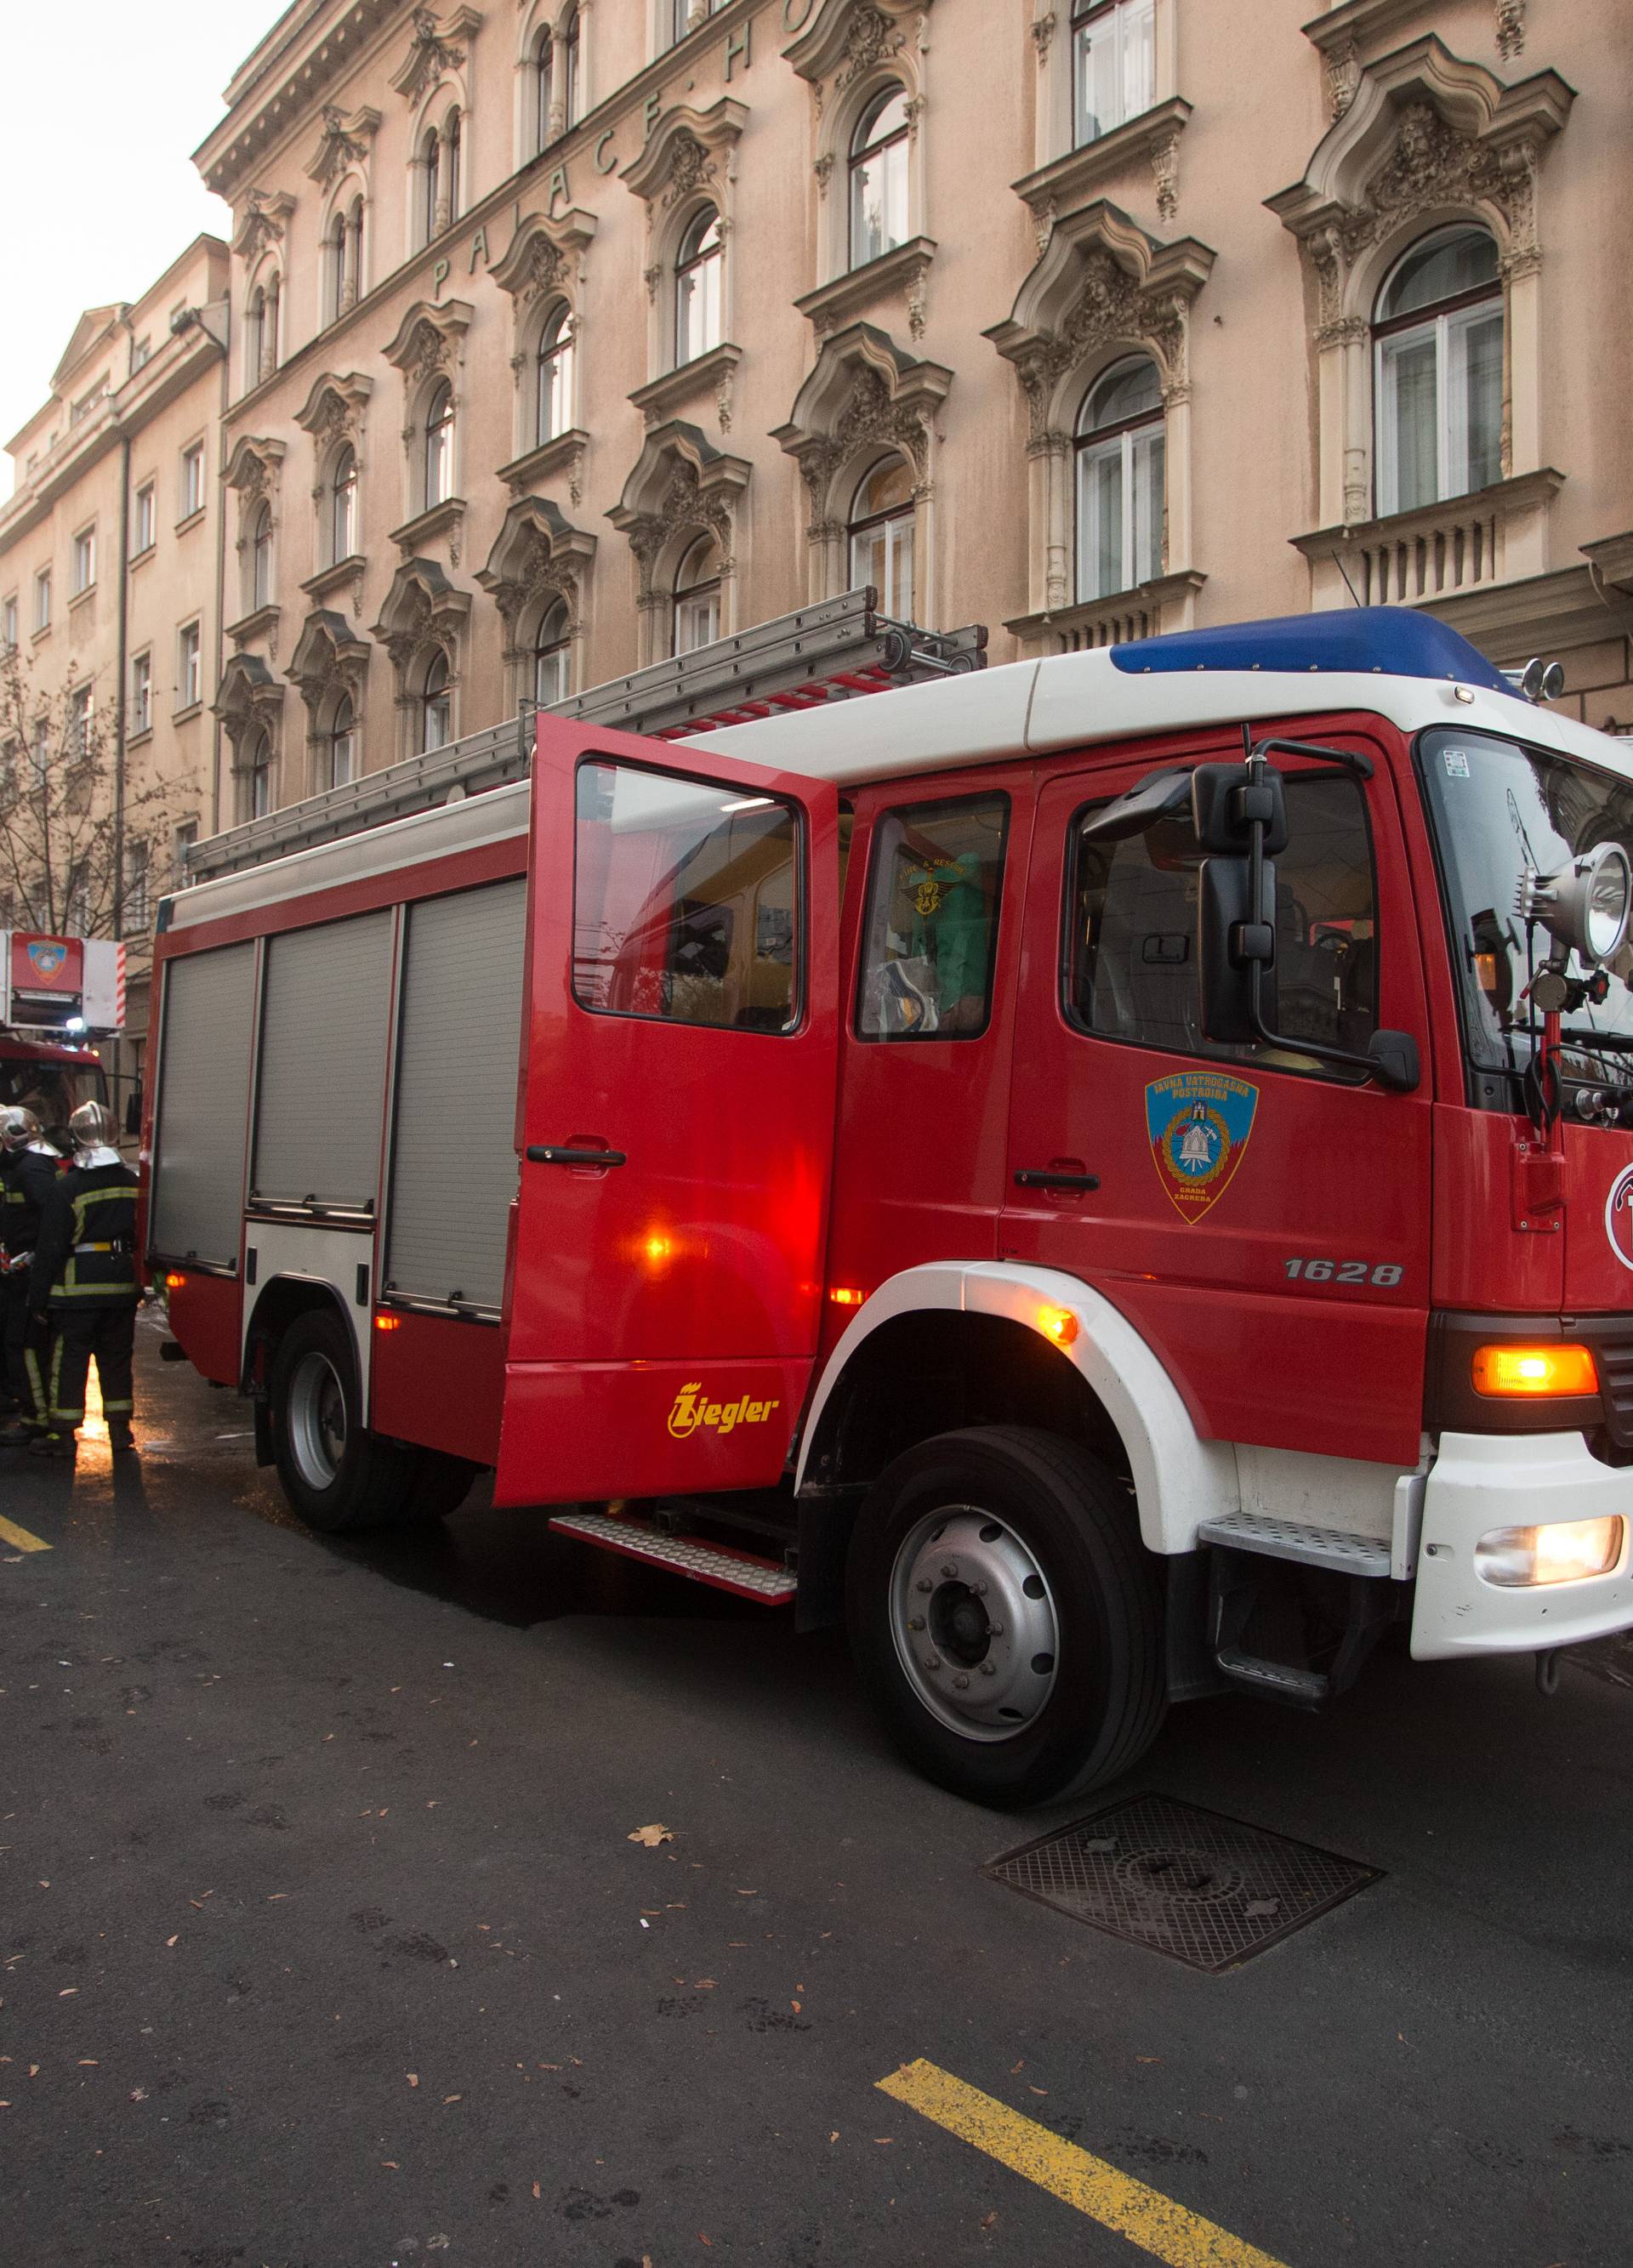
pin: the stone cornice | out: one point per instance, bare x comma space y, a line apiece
860, 289
1524, 493
1162, 591
552, 456
1068, 182
661, 397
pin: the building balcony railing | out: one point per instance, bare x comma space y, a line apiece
1166, 603
1495, 535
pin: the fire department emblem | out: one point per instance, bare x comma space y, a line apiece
1198, 1122
46, 956
1619, 1216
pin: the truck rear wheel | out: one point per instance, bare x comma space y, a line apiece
336, 1475
1006, 1621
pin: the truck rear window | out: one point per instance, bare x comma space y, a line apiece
686, 901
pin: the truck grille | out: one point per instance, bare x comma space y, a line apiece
1614, 1358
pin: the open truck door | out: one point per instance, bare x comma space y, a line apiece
676, 1121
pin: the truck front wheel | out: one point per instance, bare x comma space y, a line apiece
336, 1475
1005, 1618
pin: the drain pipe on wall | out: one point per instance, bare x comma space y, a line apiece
121, 721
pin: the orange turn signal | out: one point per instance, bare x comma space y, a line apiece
388, 1322
174, 1283
1059, 1324
1532, 1370
844, 1295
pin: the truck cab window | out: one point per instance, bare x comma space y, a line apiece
1131, 959
931, 922
687, 902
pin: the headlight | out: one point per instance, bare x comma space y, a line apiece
1561, 1552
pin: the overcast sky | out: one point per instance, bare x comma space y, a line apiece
105, 104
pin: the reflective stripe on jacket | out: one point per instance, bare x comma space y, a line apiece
88, 1205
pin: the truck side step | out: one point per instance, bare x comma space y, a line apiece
740, 1572
1301, 1689
1335, 1548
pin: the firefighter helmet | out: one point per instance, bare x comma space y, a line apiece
92, 1126
18, 1127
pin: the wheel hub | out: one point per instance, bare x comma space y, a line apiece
974, 1623
317, 1419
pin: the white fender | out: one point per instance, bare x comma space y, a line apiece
1180, 1479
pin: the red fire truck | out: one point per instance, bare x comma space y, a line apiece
55, 992
1112, 1174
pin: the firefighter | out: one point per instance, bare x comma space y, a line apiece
86, 1282
28, 1169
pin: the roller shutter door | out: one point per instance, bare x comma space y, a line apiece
204, 1105
454, 1157
321, 1101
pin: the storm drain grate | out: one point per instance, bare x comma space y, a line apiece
1208, 1891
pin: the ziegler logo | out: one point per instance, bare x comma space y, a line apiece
693, 1411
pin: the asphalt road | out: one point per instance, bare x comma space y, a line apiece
324, 1943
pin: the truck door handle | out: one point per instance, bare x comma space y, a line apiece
1039, 1178
545, 1154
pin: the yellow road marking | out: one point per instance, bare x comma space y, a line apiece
21, 1538
1144, 2216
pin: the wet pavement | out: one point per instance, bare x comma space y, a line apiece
325, 1945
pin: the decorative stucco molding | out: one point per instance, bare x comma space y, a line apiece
434, 50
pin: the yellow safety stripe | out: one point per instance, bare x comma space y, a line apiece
94, 1292
116, 1408
59, 1415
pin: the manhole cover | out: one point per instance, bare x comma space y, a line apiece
1207, 1890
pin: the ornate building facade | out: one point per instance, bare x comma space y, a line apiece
110, 580
571, 334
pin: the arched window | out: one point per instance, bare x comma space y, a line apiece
882, 529
879, 178
342, 507
258, 781
681, 12
696, 605
571, 57
554, 395
341, 743
544, 87
451, 153
431, 182
1438, 330
1120, 481
255, 334
352, 285
436, 707
335, 269
440, 444
1113, 68
550, 656
260, 558
698, 279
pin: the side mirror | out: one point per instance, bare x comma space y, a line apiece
1226, 800
133, 1112
1233, 938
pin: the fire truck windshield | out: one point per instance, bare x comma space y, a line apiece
52, 1091
1499, 811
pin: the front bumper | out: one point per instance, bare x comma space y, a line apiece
1482, 1481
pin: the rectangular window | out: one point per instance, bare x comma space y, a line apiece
141, 352
1130, 960
135, 908
686, 901
1112, 65
143, 521
190, 667
186, 836
192, 480
81, 717
8, 622
931, 935
142, 694
42, 599
84, 568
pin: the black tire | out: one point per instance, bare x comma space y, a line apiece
439, 1485
1059, 1511
335, 1473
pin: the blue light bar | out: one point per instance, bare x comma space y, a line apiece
1362, 641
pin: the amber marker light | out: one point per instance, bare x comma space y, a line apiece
1518, 1372
845, 1295
657, 1248
174, 1283
1059, 1324
388, 1322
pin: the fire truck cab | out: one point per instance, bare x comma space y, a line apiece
1111, 1175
